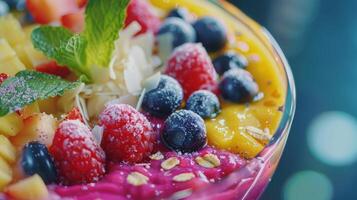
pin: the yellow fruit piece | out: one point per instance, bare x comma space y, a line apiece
5, 167
48, 105
7, 150
11, 30
11, 124
5, 179
35, 57
227, 131
31, 188
29, 110
6, 51
40, 127
21, 54
11, 66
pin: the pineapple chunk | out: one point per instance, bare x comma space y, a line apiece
21, 54
7, 151
31, 188
29, 110
11, 30
6, 51
48, 105
11, 124
11, 66
40, 127
5, 168
36, 57
5, 179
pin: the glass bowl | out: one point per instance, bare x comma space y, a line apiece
250, 181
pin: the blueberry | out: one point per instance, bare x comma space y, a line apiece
4, 8
176, 32
229, 60
184, 131
211, 33
36, 160
165, 99
204, 103
237, 85
180, 12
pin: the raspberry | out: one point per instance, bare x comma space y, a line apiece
78, 158
191, 66
140, 11
74, 114
54, 69
128, 135
3, 77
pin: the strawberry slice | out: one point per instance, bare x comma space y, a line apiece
54, 69
46, 11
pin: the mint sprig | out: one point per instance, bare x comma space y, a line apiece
27, 87
93, 47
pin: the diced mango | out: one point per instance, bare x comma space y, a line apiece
21, 54
48, 105
40, 127
29, 110
11, 66
227, 131
5, 179
31, 188
11, 30
7, 150
11, 124
6, 50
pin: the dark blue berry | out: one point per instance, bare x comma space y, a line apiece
175, 32
165, 99
211, 33
184, 131
4, 8
229, 60
204, 103
238, 85
36, 160
180, 12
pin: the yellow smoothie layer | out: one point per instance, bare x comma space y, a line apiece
240, 128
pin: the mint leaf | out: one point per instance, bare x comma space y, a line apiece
104, 19
65, 47
27, 87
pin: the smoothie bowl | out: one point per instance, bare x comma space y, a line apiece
159, 99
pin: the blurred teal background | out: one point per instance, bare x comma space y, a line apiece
319, 37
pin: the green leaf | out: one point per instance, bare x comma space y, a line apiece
65, 47
104, 19
27, 87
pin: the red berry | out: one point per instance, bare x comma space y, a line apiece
54, 69
74, 114
78, 158
128, 135
140, 11
3, 77
191, 66
74, 21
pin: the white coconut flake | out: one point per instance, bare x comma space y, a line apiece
141, 98
98, 133
165, 42
152, 82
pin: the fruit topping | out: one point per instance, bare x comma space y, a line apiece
74, 114
174, 32
11, 124
54, 69
184, 131
191, 66
78, 158
229, 60
36, 160
211, 33
165, 99
128, 135
39, 127
181, 13
31, 188
7, 150
141, 12
204, 103
238, 85
3, 77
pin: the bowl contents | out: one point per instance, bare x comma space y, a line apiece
130, 99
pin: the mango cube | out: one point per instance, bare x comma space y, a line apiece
11, 124
7, 150
31, 188
11, 30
